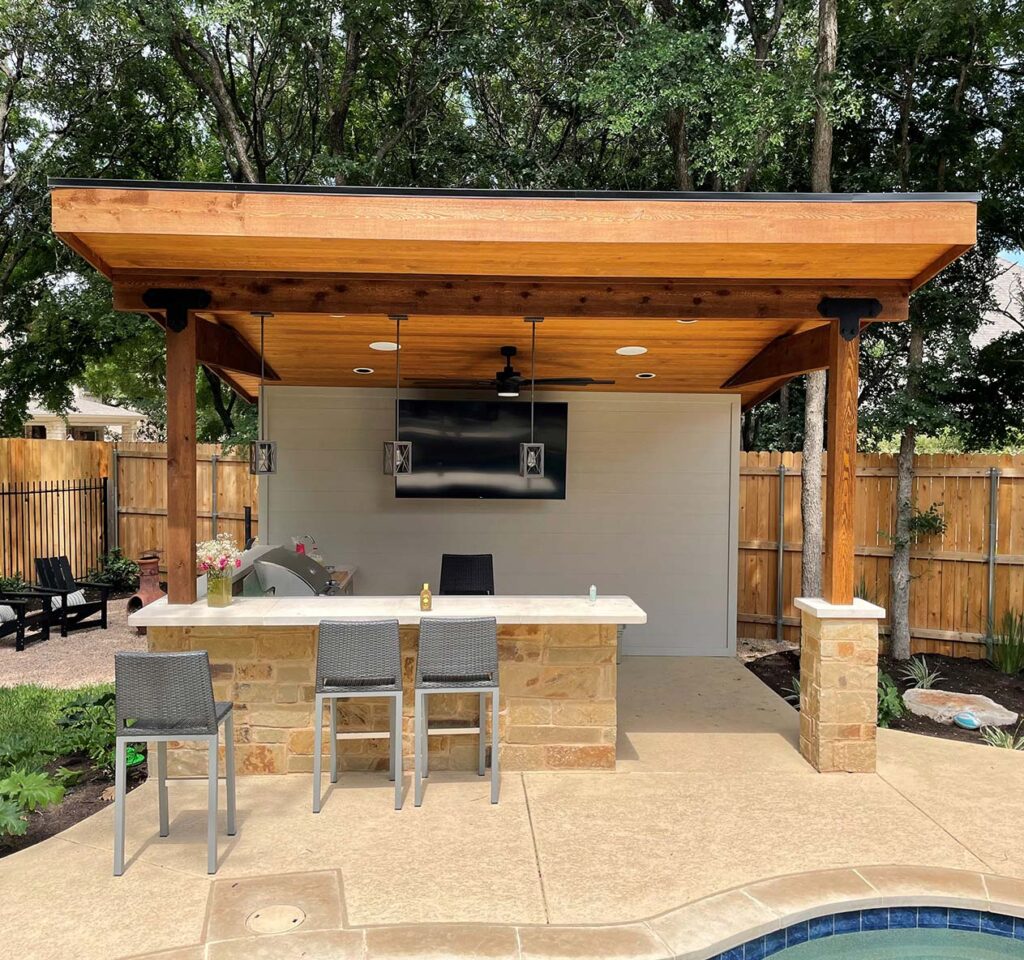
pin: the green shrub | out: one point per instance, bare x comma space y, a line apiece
995, 737
117, 571
14, 583
890, 702
88, 727
23, 792
1005, 649
917, 674
793, 694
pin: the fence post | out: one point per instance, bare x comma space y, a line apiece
780, 557
213, 494
993, 537
113, 534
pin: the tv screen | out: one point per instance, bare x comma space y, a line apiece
469, 449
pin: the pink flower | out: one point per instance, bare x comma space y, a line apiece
238, 562
223, 562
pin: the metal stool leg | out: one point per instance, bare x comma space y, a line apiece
119, 790
161, 786
333, 703
425, 700
229, 772
393, 729
318, 748
482, 738
396, 751
211, 813
495, 777
418, 737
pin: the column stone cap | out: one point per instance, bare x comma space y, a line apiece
823, 610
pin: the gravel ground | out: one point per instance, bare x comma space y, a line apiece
748, 649
83, 657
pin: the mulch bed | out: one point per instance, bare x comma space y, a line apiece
93, 791
959, 674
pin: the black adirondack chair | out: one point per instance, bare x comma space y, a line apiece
28, 626
53, 575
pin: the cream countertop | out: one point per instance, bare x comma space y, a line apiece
307, 611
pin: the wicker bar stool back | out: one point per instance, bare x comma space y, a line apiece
357, 659
457, 655
162, 697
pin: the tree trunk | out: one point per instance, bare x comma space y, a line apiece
784, 437
899, 607
828, 44
810, 485
814, 400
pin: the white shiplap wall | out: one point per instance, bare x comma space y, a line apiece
650, 509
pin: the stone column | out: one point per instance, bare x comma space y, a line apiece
838, 684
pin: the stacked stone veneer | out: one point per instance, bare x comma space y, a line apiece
557, 700
838, 693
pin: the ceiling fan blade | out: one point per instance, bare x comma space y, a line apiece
568, 381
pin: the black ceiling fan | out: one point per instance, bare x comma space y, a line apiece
509, 381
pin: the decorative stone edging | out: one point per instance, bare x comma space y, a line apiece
757, 916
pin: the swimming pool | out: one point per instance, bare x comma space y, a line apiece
892, 933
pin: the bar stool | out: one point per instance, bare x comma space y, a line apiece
358, 659
162, 697
457, 655
467, 574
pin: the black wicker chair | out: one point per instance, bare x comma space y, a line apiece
467, 574
53, 575
27, 626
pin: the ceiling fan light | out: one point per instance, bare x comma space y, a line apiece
507, 391
531, 460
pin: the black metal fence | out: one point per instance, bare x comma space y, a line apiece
52, 518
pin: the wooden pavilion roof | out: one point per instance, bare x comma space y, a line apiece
605, 270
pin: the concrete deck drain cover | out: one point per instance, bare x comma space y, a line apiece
277, 918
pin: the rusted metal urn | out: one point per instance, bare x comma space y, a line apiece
149, 583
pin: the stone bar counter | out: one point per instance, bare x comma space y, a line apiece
556, 667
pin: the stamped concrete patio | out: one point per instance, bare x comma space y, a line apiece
712, 830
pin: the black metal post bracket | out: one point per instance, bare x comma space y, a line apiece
176, 303
849, 311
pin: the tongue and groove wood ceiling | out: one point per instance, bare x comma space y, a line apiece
605, 271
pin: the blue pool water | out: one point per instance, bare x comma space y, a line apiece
891, 933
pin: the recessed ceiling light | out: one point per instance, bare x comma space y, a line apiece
631, 351
339, 314
646, 376
687, 320
362, 370
388, 346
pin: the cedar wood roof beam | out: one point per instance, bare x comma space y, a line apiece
485, 297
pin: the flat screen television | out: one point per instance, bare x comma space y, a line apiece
469, 449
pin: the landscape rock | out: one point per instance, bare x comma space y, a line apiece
943, 705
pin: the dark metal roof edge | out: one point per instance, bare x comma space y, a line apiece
672, 195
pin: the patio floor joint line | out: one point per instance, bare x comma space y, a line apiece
960, 843
536, 852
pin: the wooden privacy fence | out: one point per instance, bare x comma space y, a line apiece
50, 504
225, 492
979, 556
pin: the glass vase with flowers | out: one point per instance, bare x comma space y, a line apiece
218, 559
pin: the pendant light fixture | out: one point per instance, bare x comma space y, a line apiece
397, 453
531, 455
262, 452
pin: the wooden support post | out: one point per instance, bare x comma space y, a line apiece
181, 464
841, 470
